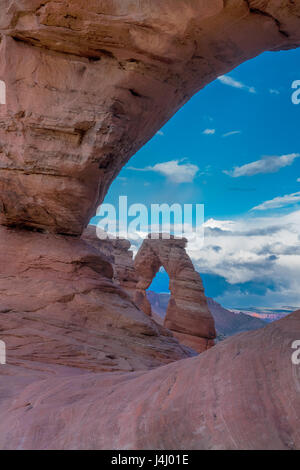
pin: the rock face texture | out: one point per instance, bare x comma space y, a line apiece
59, 305
227, 323
241, 394
119, 254
187, 315
88, 83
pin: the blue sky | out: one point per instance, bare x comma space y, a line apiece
234, 147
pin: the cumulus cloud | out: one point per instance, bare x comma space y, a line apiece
274, 91
264, 165
209, 131
229, 81
253, 251
256, 259
174, 170
228, 134
278, 202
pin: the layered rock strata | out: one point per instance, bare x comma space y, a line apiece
88, 83
59, 305
118, 252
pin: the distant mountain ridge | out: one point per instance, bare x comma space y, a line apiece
265, 313
228, 323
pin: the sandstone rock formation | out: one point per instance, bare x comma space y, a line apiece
59, 305
119, 254
188, 316
227, 323
241, 394
88, 83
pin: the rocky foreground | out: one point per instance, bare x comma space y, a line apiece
241, 394
87, 84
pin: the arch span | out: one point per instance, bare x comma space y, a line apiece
90, 85
188, 316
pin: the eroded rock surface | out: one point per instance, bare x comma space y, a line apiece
119, 254
59, 305
241, 394
89, 82
188, 316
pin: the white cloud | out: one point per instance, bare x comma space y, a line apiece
228, 134
278, 202
253, 249
229, 81
265, 165
160, 133
298, 180
174, 170
274, 92
209, 131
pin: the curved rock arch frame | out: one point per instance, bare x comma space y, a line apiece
87, 87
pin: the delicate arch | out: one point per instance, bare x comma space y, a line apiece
187, 315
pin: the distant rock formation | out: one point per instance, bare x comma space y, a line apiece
227, 323
159, 303
117, 251
267, 314
187, 314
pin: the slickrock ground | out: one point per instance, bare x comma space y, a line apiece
188, 316
241, 394
87, 84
